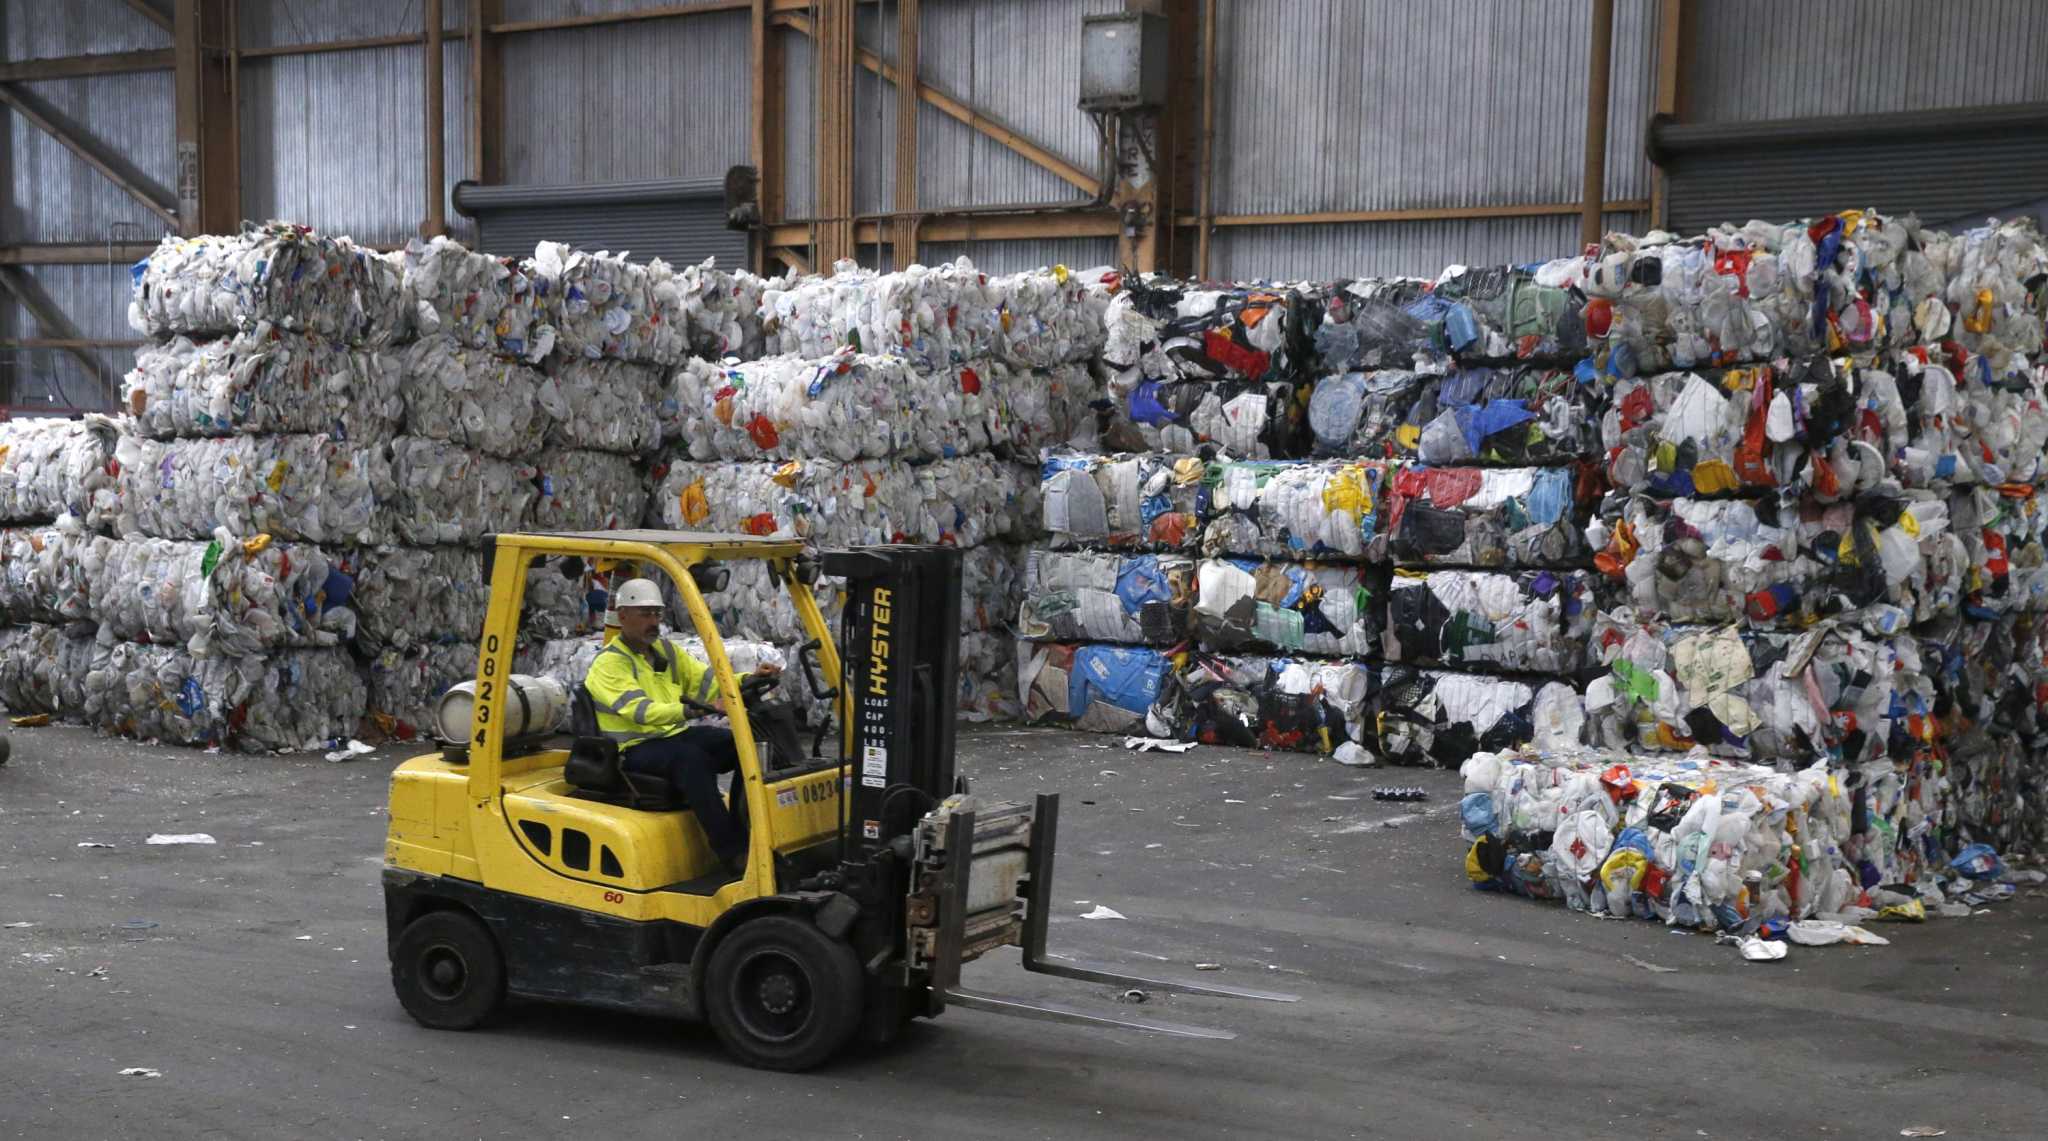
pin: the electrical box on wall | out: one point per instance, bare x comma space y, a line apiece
1123, 61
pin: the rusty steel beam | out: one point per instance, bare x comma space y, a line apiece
112, 167
79, 66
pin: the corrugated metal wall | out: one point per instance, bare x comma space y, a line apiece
626, 102
1765, 59
1357, 105
1322, 105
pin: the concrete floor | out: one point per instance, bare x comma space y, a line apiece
1428, 1010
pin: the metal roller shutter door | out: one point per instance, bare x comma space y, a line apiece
1939, 165
679, 221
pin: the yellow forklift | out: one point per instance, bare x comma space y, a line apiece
516, 866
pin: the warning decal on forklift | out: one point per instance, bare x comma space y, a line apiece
871, 829
874, 760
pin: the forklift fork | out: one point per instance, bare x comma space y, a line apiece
952, 891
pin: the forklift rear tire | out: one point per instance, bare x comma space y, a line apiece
783, 995
447, 971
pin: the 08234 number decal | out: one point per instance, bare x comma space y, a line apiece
486, 689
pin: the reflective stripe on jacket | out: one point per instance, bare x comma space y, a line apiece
640, 698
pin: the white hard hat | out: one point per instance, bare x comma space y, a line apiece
637, 592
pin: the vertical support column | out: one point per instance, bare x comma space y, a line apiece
833, 50
1208, 207
1599, 69
909, 16
764, 118
209, 154
1153, 153
436, 126
486, 93
1673, 35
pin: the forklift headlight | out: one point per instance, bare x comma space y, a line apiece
711, 578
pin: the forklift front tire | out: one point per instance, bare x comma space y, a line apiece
447, 971
783, 995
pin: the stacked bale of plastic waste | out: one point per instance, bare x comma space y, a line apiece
260, 424
901, 407
533, 400
1818, 632
1104, 614
55, 489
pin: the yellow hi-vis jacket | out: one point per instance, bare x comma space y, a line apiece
639, 699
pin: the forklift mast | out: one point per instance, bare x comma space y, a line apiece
900, 662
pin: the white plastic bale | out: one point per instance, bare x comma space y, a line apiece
405, 686
1085, 596
603, 405
480, 301
753, 605
219, 598
1125, 502
292, 700
1298, 510
43, 670
933, 316
279, 273
1294, 608
1163, 331
587, 491
265, 381
722, 309
295, 488
446, 494
473, 398
966, 502
607, 306
852, 406
409, 596
1051, 316
52, 467
43, 573
1526, 621
988, 677
406, 597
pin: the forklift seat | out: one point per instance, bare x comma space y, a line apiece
594, 771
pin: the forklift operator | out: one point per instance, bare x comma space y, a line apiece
638, 684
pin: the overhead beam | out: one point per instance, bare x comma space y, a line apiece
70, 343
79, 66
664, 12
957, 109
791, 258
110, 166
325, 47
76, 253
150, 12
1418, 214
53, 324
961, 227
